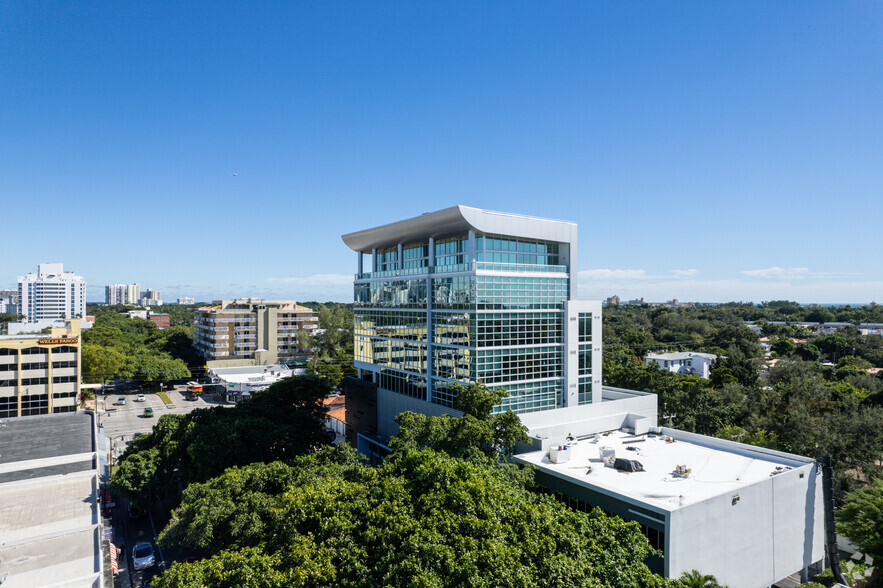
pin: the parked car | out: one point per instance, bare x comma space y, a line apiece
142, 556
141, 398
148, 413
121, 400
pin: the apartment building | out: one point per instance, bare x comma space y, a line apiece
40, 374
251, 331
150, 298
51, 293
122, 294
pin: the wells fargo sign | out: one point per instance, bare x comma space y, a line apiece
57, 341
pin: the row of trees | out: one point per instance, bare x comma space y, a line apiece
119, 347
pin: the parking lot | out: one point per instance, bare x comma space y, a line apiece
122, 422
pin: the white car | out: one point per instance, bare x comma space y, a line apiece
140, 398
142, 556
121, 400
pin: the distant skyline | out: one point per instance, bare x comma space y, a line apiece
707, 151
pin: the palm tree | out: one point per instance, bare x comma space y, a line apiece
696, 579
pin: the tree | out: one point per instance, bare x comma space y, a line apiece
422, 519
154, 369
696, 579
101, 363
477, 433
280, 423
861, 518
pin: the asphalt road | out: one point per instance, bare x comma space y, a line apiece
121, 423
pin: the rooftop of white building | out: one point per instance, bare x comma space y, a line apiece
252, 375
681, 355
717, 466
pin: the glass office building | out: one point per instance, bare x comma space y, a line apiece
464, 295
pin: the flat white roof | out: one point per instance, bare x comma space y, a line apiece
681, 355
252, 374
718, 467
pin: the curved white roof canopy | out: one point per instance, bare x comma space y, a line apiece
458, 220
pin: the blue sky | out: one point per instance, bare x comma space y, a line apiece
709, 151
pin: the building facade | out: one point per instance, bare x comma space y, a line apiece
185, 300
464, 295
40, 374
162, 321
51, 293
252, 331
122, 294
688, 363
151, 298
9, 302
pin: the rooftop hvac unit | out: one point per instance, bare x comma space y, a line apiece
683, 471
607, 453
559, 454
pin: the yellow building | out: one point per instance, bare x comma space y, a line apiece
40, 374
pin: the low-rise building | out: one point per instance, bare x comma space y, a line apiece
162, 321
50, 521
40, 374
705, 503
251, 331
236, 383
871, 328
688, 363
185, 300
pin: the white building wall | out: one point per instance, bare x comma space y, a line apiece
620, 409
775, 529
51, 293
572, 310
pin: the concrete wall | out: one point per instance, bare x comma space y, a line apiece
552, 426
391, 404
774, 529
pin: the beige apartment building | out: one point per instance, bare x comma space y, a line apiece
40, 374
251, 331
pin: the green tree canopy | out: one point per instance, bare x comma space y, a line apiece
477, 432
280, 423
861, 518
423, 519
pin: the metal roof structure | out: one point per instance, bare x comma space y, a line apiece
458, 220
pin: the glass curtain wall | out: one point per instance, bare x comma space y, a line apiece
493, 320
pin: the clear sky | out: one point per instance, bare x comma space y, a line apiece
709, 151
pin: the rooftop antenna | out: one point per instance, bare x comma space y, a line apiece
668, 417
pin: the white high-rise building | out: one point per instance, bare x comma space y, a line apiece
51, 293
122, 293
151, 298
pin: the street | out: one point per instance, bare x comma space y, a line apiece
121, 423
